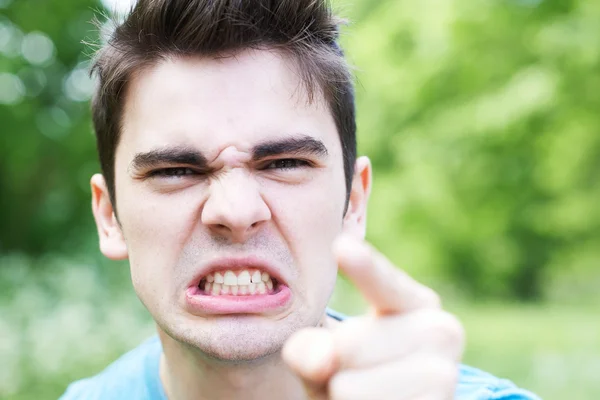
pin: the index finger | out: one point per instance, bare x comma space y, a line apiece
387, 288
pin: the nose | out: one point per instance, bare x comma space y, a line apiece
235, 208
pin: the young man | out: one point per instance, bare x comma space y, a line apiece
226, 134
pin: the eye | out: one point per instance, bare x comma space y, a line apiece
172, 172
287, 163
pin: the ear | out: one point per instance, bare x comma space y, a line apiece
355, 220
112, 242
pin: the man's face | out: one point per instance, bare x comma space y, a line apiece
224, 162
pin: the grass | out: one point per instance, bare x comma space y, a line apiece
65, 322
549, 349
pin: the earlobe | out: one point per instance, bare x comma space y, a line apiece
112, 241
355, 220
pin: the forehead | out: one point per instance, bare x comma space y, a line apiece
215, 103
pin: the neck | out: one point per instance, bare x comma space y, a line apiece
188, 374
185, 378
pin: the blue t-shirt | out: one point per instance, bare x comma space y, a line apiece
135, 376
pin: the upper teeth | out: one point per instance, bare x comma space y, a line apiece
246, 281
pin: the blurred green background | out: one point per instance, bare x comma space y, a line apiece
482, 119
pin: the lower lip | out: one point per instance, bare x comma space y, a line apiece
200, 303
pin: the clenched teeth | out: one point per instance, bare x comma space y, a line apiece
246, 282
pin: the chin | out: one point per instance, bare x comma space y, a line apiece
234, 338
239, 353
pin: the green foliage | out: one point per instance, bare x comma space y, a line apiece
47, 150
481, 119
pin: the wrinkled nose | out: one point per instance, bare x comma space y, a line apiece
235, 208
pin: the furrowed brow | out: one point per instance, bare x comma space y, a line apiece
169, 156
293, 146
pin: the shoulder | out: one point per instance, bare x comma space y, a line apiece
474, 384
133, 376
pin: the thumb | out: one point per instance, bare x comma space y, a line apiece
310, 353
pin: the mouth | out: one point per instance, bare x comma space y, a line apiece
245, 282
237, 287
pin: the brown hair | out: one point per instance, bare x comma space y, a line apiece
306, 31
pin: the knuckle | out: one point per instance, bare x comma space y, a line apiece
431, 298
349, 337
341, 387
452, 328
449, 375
444, 373
446, 328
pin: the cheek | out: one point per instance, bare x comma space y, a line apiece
309, 218
156, 229
312, 211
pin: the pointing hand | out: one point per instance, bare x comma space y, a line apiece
407, 348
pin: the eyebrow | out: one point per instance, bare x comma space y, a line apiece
172, 155
293, 146
190, 156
